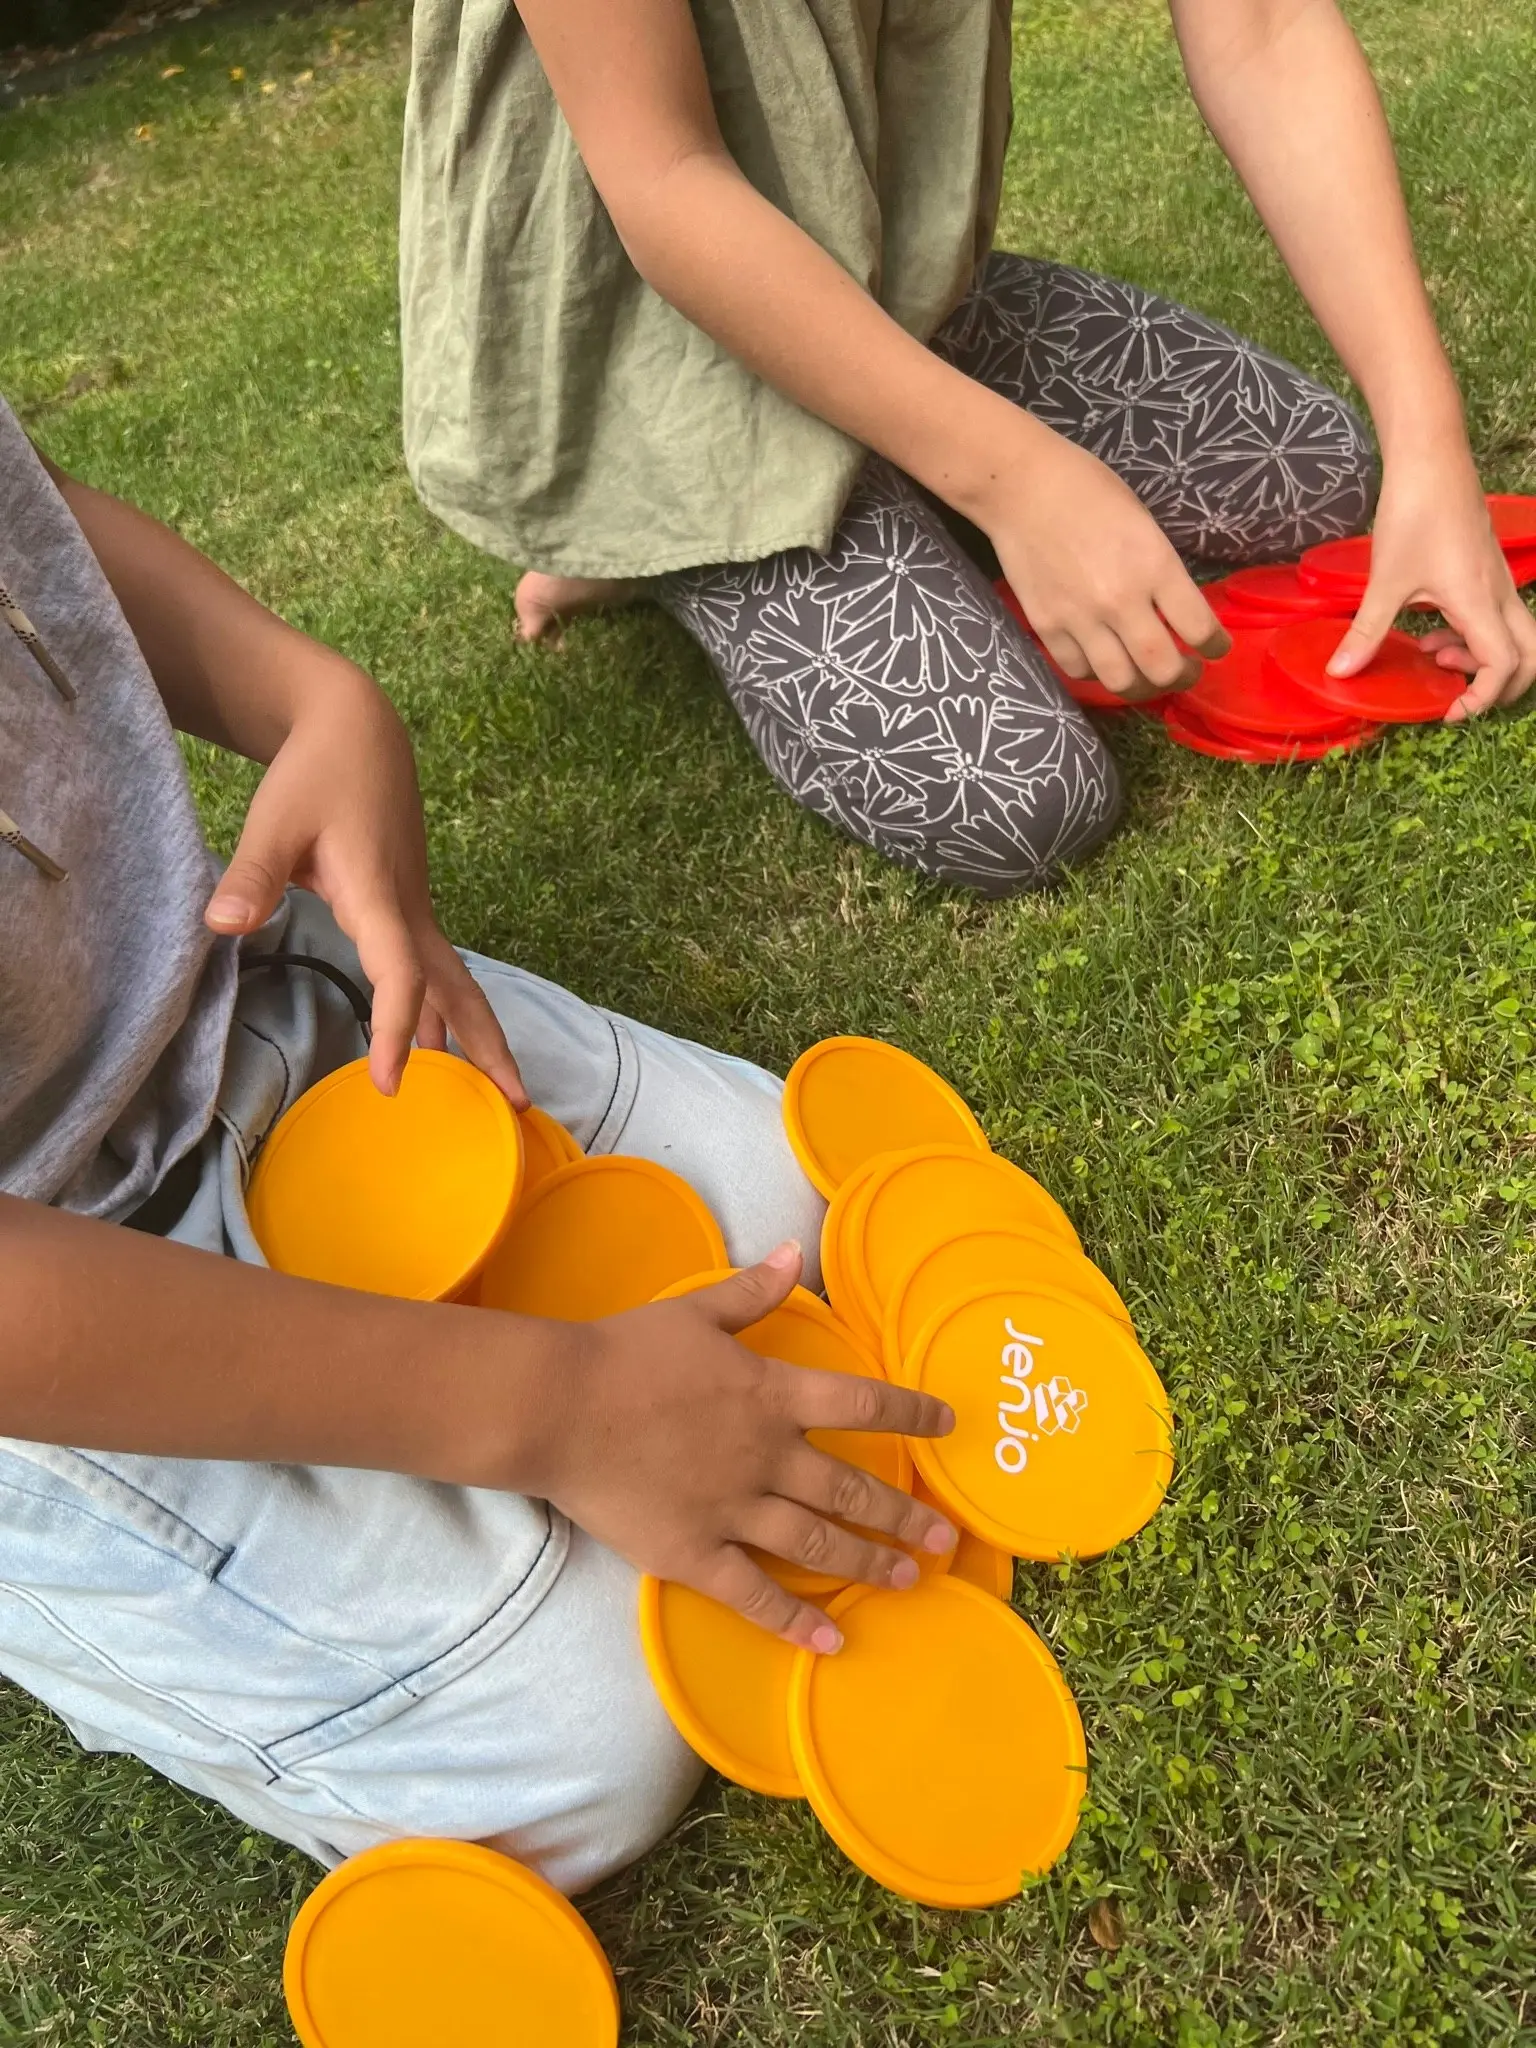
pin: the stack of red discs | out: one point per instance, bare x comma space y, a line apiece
1271, 698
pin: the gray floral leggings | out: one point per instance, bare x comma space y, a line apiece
884, 684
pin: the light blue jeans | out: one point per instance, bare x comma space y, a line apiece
344, 1657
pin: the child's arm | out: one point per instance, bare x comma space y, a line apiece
1096, 576
1288, 95
669, 1442
338, 810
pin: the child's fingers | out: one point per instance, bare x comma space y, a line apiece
1523, 631
744, 1299
457, 1002
1372, 623
431, 1031
832, 1487
390, 962
734, 1580
1492, 647
839, 1400
786, 1529
252, 886
1186, 608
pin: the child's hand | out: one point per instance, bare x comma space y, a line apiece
1099, 581
676, 1447
339, 812
1434, 550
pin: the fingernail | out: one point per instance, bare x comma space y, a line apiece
940, 1538
826, 1642
227, 910
784, 1254
904, 1573
946, 1418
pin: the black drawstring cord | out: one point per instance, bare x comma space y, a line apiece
361, 1005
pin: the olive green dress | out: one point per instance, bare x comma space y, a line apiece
557, 411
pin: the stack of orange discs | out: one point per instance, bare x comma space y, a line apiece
893, 1740
956, 1273
970, 1278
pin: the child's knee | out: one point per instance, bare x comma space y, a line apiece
1009, 841
616, 1774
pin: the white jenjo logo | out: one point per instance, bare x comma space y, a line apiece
1054, 1406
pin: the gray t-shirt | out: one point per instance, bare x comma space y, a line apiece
115, 1000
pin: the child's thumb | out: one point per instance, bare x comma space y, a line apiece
1359, 645
744, 1299
251, 887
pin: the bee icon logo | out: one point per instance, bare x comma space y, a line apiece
1054, 1406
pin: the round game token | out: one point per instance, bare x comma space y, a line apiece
835, 1277
1522, 565
936, 1192
940, 1748
984, 1259
1339, 569
978, 1563
405, 1194
1514, 519
804, 1331
725, 1683
848, 1098
1062, 1442
547, 1146
1187, 728
599, 1237
1273, 589
1402, 686
1243, 690
433, 1942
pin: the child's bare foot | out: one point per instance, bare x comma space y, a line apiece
544, 602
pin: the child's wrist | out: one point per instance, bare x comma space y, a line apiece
997, 449
491, 1399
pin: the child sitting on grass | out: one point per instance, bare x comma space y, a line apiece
358, 1568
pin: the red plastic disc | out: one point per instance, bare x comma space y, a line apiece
1244, 693
1403, 685
1522, 565
1274, 589
1239, 616
1229, 743
1338, 569
1514, 519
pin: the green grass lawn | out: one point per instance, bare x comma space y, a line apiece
1273, 1049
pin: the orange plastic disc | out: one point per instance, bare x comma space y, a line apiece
405, 1194
940, 1748
725, 1682
847, 1287
927, 1196
980, 1564
834, 1273
988, 1258
804, 1331
1062, 1444
547, 1146
848, 1098
426, 1944
599, 1237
